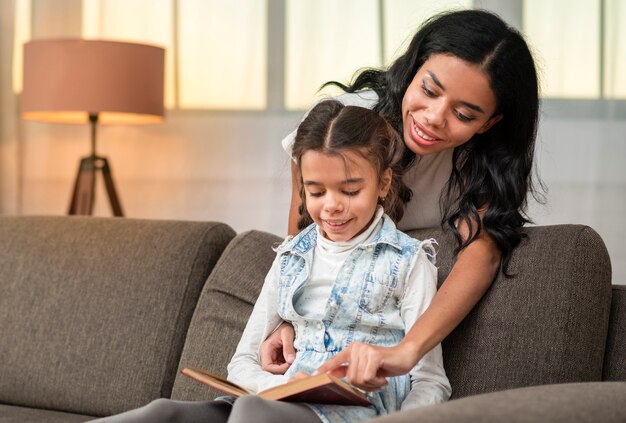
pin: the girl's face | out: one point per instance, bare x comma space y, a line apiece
342, 192
448, 101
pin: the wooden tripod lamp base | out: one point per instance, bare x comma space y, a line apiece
85, 186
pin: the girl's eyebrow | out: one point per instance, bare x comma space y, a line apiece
465, 103
346, 182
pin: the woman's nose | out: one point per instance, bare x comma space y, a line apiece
435, 115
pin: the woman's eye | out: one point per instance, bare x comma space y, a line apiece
464, 118
316, 194
351, 193
427, 90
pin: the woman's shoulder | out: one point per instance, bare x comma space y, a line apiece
366, 98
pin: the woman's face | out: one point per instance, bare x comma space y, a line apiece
448, 101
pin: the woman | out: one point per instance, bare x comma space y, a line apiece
465, 99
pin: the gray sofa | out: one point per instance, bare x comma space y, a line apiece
98, 315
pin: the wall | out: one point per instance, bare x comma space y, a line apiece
201, 166
229, 166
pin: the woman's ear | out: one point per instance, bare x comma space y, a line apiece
492, 121
385, 182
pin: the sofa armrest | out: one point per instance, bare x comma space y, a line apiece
561, 403
94, 311
615, 356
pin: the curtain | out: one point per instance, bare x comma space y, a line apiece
9, 145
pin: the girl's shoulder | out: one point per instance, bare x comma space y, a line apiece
406, 244
301, 242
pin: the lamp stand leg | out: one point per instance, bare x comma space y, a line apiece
108, 183
85, 187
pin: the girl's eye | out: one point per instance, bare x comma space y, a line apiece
316, 194
427, 90
352, 193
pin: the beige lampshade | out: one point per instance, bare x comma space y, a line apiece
65, 80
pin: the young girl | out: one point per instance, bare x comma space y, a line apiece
464, 98
351, 276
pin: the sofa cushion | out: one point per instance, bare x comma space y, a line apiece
15, 414
223, 310
547, 324
94, 311
615, 356
563, 403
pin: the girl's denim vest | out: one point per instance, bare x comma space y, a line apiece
363, 307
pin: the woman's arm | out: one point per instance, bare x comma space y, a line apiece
469, 279
292, 228
467, 282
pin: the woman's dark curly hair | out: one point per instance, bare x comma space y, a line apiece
332, 128
492, 172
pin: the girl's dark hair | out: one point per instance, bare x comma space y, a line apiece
493, 170
332, 128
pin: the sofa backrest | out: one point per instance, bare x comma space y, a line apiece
615, 356
546, 324
223, 310
94, 311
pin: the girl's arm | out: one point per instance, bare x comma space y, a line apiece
277, 352
245, 368
429, 383
469, 279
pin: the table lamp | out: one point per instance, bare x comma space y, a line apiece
95, 82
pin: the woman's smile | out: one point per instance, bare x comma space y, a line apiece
422, 136
446, 104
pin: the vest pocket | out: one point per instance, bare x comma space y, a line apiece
285, 282
376, 291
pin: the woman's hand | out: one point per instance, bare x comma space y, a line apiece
367, 366
277, 352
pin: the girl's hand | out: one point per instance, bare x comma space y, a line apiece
366, 366
277, 352
298, 376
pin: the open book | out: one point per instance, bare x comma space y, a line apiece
319, 389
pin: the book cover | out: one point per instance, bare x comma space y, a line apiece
319, 389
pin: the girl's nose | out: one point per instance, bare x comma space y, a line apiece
333, 203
